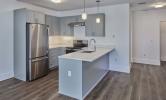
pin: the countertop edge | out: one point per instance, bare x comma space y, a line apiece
61, 57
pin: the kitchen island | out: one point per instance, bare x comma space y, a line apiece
80, 72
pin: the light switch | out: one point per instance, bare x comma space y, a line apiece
69, 73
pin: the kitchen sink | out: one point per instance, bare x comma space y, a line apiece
87, 51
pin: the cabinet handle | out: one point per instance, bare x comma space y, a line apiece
35, 72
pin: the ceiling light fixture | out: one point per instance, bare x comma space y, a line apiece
98, 20
84, 15
159, 5
56, 1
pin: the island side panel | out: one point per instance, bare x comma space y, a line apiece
93, 73
70, 78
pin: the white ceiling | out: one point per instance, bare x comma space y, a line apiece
78, 4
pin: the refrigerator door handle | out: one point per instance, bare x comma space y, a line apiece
35, 71
39, 59
47, 52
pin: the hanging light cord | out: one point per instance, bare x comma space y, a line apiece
84, 6
98, 5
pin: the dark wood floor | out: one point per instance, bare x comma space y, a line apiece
146, 82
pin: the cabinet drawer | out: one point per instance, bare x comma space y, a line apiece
57, 51
53, 61
53, 56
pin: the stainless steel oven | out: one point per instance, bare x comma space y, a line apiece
77, 45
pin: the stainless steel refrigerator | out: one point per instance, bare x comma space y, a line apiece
37, 51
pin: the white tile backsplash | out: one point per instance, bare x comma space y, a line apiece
60, 41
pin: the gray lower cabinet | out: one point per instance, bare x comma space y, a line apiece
53, 56
54, 25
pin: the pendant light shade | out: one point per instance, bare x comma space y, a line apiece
84, 15
98, 20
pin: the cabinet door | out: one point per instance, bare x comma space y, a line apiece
39, 17
89, 26
66, 29
54, 25
35, 17
30, 16
69, 29
53, 56
62, 26
93, 28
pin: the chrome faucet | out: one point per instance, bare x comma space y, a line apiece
94, 45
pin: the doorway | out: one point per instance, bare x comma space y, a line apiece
163, 40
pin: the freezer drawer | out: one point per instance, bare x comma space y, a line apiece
38, 68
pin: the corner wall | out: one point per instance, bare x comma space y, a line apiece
6, 45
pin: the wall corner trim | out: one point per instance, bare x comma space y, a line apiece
120, 68
146, 61
5, 76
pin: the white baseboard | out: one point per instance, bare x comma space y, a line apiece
146, 61
163, 58
120, 68
5, 76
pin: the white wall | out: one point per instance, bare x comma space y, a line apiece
6, 45
8, 5
146, 36
117, 33
6, 33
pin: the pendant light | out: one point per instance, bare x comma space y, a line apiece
98, 20
84, 15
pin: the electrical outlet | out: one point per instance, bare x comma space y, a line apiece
69, 73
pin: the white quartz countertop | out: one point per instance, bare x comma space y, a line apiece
90, 57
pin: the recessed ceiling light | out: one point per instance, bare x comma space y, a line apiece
56, 1
158, 5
